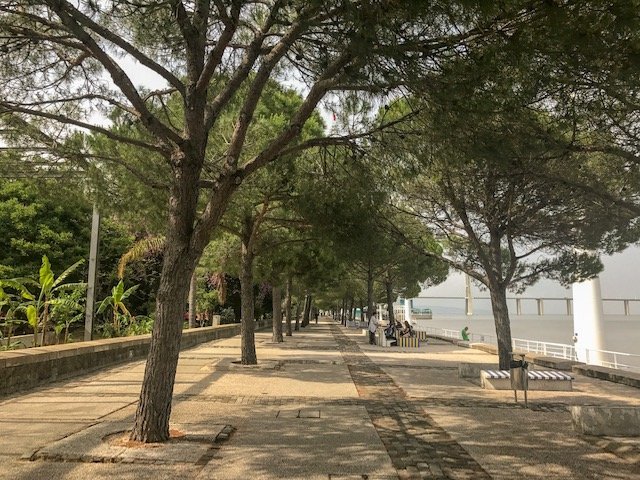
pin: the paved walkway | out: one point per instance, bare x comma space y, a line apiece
323, 405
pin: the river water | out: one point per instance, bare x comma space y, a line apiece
621, 333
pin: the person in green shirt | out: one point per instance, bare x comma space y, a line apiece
465, 334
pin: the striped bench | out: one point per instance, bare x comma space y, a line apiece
383, 341
538, 380
420, 335
408, 342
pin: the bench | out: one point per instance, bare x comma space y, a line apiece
412, 342
538, 380
383, 341
420, 335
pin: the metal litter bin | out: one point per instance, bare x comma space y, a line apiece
519, 374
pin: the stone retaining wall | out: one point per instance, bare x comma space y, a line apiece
611, 374
31, 367
616, 421
551, 362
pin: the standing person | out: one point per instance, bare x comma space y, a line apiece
465, 334
373, 325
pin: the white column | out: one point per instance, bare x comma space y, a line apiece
468, 296
407, 309
587, 320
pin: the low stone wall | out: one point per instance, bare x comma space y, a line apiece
472, 370
31, 367
610, 374
551, 362
485, 347
455, 341
615, 421
26, 341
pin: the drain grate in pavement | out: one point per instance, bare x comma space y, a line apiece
212, 452
339, 476
295, 361
299, 413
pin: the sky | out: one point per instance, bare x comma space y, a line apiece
620, 279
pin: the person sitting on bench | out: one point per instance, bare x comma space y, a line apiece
407, 331
390, 332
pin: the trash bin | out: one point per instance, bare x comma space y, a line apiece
519, 374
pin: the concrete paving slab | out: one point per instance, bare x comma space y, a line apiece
29, 401
212, 412
41, 470
286, 447
88, 410
293, 380
527, 444
20, 439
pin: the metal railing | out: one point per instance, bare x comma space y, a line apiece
548, 349
604, 358
607, 358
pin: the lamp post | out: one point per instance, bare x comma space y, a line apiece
93, 270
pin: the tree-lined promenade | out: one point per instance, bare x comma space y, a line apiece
325, 149
328, 404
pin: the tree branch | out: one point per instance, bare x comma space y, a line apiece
8, 108
82, 19
73, 19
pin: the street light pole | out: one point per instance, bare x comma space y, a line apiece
93, 270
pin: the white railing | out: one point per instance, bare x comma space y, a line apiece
607, 358
549, 349
604, 358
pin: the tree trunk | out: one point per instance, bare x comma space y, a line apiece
277, 314
389, 288
247, 327
45, 318
503, 325
350, 314
192, 301
307, 310
181, 254
369, 293
152, 416
287, 306
297, 326
342, 312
